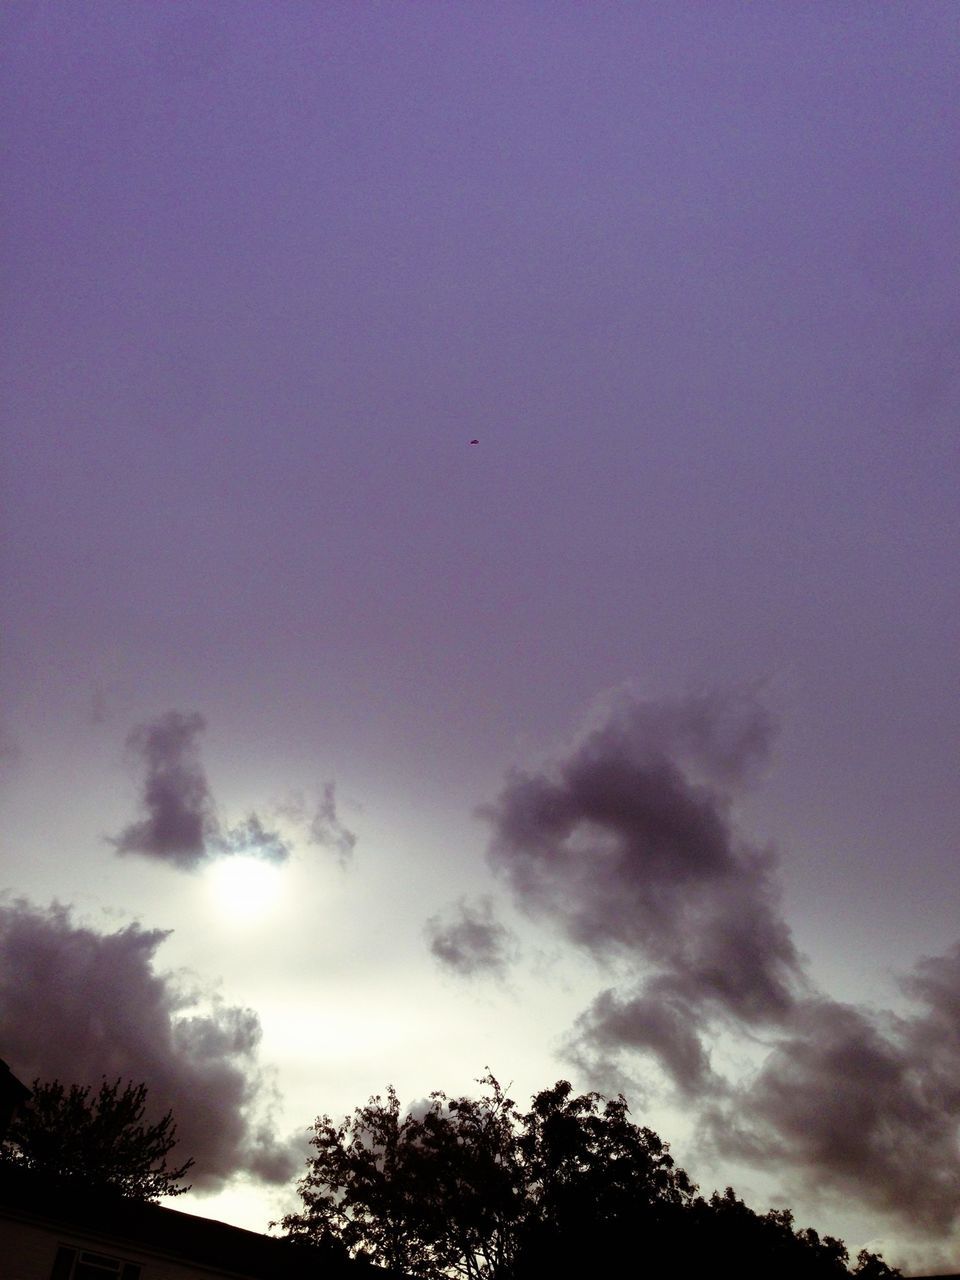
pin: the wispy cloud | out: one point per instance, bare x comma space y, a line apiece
251, 837
321, 822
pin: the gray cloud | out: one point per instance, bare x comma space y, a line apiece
720, 737
180, 817
627, 844
77, 1005
646, 1022
472, 942
253, 838
327, 830
861, 1104
322, 823
181, 825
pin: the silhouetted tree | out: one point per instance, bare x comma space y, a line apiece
761, 1244
432, 1195
474, 1188
598, 1188
99, 1141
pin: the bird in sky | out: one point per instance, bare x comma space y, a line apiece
474, 441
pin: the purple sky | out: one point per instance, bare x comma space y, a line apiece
690, 275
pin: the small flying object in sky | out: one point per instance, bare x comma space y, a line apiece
474, 441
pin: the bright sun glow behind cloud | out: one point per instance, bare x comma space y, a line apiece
244, 889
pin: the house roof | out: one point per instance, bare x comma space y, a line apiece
173, 1234
11, 1089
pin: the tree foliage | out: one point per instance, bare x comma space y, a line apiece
475, 1189
433, 1195
98, 1140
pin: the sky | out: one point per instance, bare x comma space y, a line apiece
619, 746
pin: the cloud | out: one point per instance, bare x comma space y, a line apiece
180, 824
323, 824
251, 837
180, 817
642, 1023
862, 1104
327, 830
77, 1005
472, 943
626, 844
724, 737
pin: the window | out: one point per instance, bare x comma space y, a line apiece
79, 1264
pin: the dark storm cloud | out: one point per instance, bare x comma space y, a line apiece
472, 942
180, 823
78, 1005
627, 844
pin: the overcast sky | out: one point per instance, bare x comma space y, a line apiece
620, 745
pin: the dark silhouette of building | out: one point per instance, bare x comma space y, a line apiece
49, 1233
13, 1094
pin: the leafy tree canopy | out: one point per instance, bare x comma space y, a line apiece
475, 1189
98, 1140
